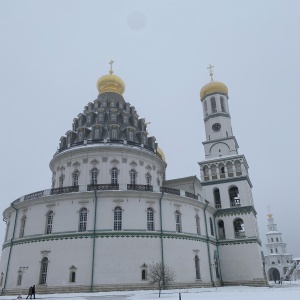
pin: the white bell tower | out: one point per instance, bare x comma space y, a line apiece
227, 186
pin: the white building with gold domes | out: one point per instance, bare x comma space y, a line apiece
110, 211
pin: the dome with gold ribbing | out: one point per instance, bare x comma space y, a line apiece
213, 87
110, 83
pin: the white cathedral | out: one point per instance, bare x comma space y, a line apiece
110, 211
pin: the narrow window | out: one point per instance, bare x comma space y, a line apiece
118, 218
222, 104
97, 134
49, 222
178, 220
198, 224
150, 219
276, 250
271, 250
73, 276
148, 179
213, 104
114, 134
114, 176
94, 177
125, 119
276, 239
132, 177
1, 279
197, 267
75, 178
272, 240
211, 226
82, 219
144, 275
61, 180
44, 269
217, 198
100, 117
22, 227
221, 228
205, 107
238, 168
80, 136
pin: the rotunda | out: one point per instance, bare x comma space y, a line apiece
110, 212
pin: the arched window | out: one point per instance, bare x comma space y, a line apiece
61, 180
211, 226
75, 178
114, 134
49, 222
205, 173
229, 169
82, 219
118, 218
125, 119
239, 228
213, 170
213, 104
144, 272
178, 221
148, 178
197, 267
221, 229
238, 168
221, 170
100, 117
217, 198
132, 176
130, 135
150, 219
44, 269
198, 224
22, 227
234, 196
205, 107
222, 104
97, 134
19, 281
114, 176
94, 176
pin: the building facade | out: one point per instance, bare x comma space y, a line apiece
110, 211
278, 261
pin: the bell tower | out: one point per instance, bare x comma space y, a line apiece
227, 186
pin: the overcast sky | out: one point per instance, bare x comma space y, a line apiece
53, 52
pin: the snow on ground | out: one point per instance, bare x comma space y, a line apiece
274, 292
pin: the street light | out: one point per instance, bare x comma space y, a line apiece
21, 272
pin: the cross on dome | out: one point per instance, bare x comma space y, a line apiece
111, 63
210, 67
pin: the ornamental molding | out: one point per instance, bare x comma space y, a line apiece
235, 211
45, 252
94, 162
141, 163
124, 160
148, 168
225, 180
114, 162
133, 164
118, 201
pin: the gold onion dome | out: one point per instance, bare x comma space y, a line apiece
213, 87
110, 83
161, 153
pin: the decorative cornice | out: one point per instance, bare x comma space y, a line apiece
222, 114
111, 234
234, 211
225, 180
239, 241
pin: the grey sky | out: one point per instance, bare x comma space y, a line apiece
53, 52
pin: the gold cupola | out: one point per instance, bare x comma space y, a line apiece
110, 83
213, 87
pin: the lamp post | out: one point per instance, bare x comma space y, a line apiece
21, 272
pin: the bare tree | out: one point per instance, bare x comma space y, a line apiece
161, 275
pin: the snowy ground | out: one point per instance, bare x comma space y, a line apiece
274, 292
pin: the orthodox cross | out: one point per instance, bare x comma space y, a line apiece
210, 67
111, 63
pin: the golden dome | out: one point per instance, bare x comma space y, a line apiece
270, 215
110, 83
213, 87
161, 153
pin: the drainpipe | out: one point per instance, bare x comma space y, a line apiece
10, 249
207, 243
161, 240
219, 265
94, 242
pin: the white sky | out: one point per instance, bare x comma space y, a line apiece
53, 52
286, 291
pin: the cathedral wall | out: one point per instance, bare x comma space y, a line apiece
241, 262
